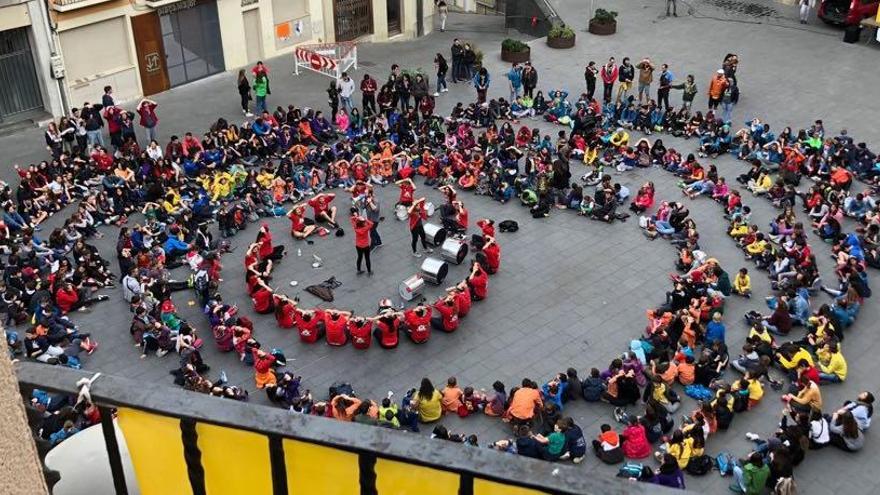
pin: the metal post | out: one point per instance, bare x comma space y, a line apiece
113, 455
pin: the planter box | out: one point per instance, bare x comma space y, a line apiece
516, 57
560, 42
602, 29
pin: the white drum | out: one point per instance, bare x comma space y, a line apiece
454, 250
401, 212
411, 287
434, 234
434, 270
429, 209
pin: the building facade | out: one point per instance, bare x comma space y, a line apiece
143, 47
28, 90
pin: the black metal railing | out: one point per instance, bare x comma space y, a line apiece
531, 17
169, 430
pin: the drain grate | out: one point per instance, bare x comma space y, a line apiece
748, 9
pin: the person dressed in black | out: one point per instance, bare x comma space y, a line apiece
417, 216
457, 61
333, 100
590, 75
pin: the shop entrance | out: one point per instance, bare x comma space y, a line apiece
19, 89
191, 38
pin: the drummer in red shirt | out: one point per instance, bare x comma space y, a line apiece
461, 216
310, 324
463, 298
267, 250
447, 317
335, 325
487, 227
285, 311
324, 212
300, 226
417, 216
407, 191
262, 298
478, 281
362, 243
359, 329
492, 253
387, 328
418, 323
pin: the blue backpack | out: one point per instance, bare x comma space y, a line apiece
725, 463
698, 392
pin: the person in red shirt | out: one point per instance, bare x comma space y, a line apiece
324, 212
487, 227
310, 324
417, 216
387, 328
191, 145
478, 281
362, 228
264, 371
262, 298
407, 190
461, 216
285, 311
300, 226
492, 253
266, 250
359, 329
463, 298
418, 323
447, 317
103, 160
68, 299
335, 325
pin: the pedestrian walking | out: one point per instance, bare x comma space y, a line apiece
481, 83
244, 92
674, 5
146, 110
806, 7
362, 228
442, 67
417, 216
646, 77
261, 89
333, 100
665, 82
457, 61
346, 91
590, 76
530, 79
368, 92
609, 75
443, 11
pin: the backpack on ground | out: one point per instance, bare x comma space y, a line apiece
630, 470
341, 388
700, 465
698, 392
725, 462
508, 226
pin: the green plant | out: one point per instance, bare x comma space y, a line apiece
512, 45
561, 31
603, 16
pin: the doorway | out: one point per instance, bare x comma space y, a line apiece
19, 89
393, 16
253, 37
191, 36
352, 19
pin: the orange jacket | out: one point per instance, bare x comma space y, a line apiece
717, 86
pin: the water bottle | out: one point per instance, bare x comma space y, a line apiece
299, 252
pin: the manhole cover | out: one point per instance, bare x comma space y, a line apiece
366, 63
749, 9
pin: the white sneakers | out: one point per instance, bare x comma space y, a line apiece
752, 436
436, 94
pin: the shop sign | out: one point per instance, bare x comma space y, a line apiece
176, 7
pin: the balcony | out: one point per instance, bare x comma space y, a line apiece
68, 5
180, 441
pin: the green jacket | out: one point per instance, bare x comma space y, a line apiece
755, 478
261, 86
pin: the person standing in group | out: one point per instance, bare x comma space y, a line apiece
514, 77
362, 228
368, 90
674, 5
728, 100
590, 76
146, 109
529, 79
457, 61
481, 82
333, 100
665, 84
420, 89
689, 91
646, 77
417, 216
244, 91
91, 116
442, 68
609, 75
346, 91
107, 98
443, 11
716, 89
374, 215
261, 89
468, 60
625, 75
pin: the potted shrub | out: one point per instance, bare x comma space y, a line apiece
560, 36
604, 22
515, 51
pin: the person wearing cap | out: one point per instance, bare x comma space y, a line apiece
717, 86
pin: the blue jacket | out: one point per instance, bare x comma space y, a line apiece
174, 245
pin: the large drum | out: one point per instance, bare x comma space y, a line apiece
434, 271
435, 234
454, 250
411, 287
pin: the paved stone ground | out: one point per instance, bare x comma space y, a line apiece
571, 292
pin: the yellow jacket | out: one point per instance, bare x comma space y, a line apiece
756, 247
832, 363
791, 364
742, 283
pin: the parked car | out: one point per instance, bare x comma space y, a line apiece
847, 12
